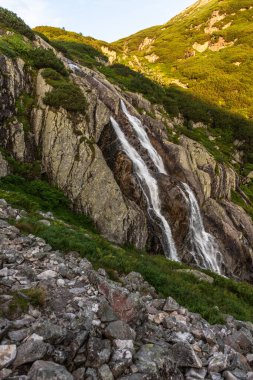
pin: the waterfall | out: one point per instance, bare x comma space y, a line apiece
203, 246
204, 249
151, 191
144, 139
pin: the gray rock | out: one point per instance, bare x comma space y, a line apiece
104, 373
106, 313
215, 376
239, 374
47, 275
150, 359
250, 359
3, 203
79, 373
227, 375
124, 344
180, 337
7, 354
171, 305
91, 374
51, 332
29, 352
120, 330
3, 224
98, 352
44, 222
5, 373
4, 272
185, 356
42, 370
4, 327
196, 374
18, 335
121, 360
218, 363
135, 376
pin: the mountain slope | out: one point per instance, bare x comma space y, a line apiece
207, 49
62, 116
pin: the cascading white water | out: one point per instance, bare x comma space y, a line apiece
150, 189
144, 139
204, 249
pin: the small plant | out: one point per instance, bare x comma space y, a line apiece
22, 299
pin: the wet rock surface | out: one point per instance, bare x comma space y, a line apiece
85, 326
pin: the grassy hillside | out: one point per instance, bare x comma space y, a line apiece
207, 49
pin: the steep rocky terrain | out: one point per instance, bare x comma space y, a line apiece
81, 155
62, 320
134, 176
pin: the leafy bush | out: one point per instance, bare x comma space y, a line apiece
51, 76
11, 20
42, 58
68, 96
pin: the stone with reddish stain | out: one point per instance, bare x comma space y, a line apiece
124, 304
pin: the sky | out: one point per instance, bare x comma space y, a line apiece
107, 20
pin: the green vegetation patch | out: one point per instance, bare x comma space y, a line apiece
24, 105
42, 58
64, 93
12, 21
84, 54
22, 299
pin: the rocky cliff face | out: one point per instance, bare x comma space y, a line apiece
82, 156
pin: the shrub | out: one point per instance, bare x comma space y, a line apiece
42, 58
11, 20
51, 75
68, 96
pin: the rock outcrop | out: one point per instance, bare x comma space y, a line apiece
78, 324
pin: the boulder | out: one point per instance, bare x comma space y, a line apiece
185, 356
29, 352
42, 370
8, 353
98, 352
105, 373
120, 330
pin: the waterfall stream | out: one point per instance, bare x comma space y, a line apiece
204, 249
150, 188
144, 139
